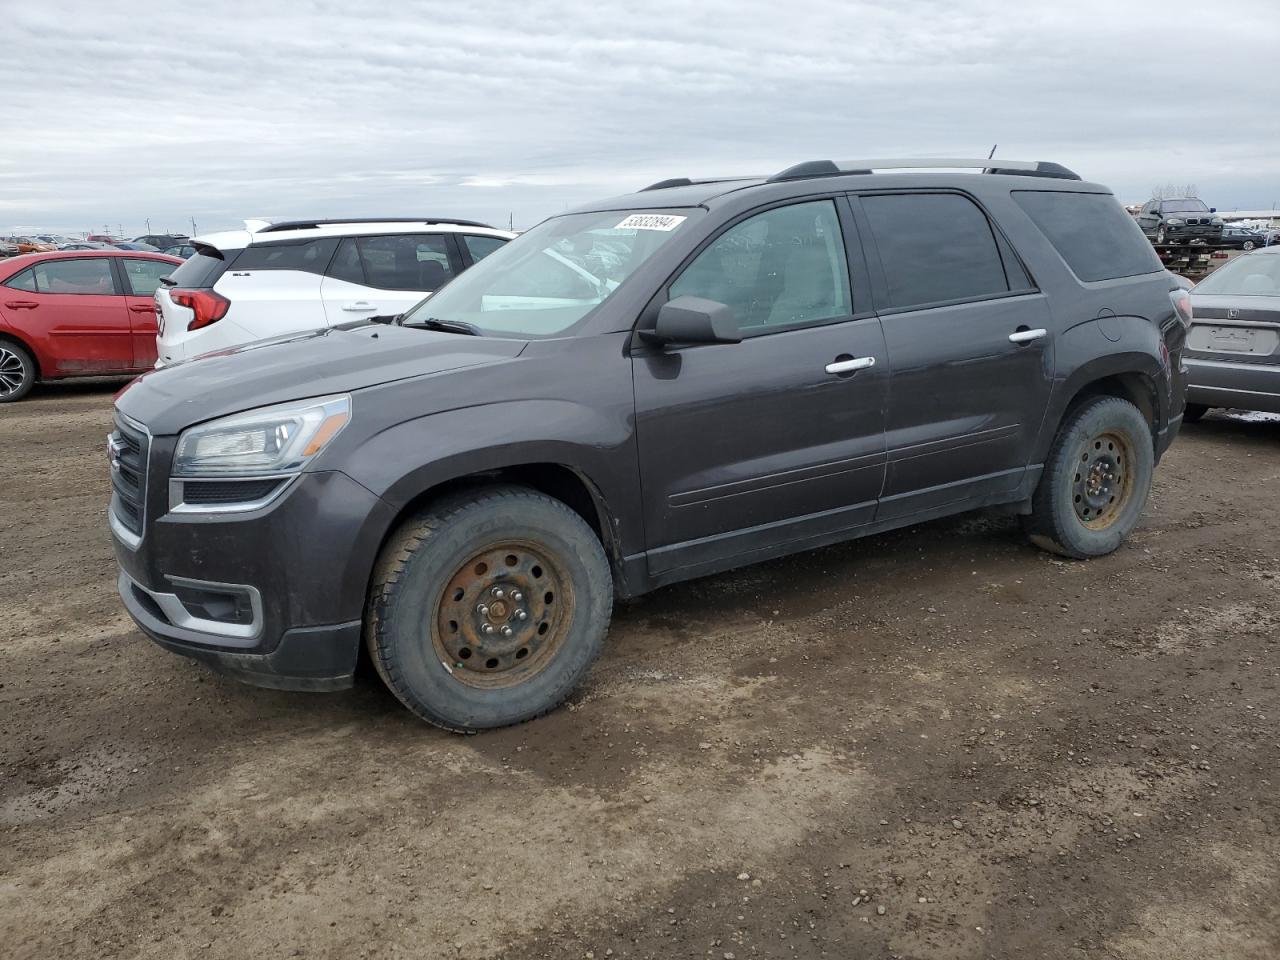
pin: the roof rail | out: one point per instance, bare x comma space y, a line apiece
312, 224
828, 168
686, 182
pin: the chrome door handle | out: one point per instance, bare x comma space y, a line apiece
359, 305
848, 366
1026, 336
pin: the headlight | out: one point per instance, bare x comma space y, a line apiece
1216, 220
269, 440
1173, 222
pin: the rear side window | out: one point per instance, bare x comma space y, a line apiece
937, 248
309, 256
408, 262
481, 247
202, 268
26, 280
1092, 232
84, 277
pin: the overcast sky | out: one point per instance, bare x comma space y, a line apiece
485, 109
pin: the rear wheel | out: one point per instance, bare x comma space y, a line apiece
1247, 245
488, 608
1193, 412
1096, 480
17, 371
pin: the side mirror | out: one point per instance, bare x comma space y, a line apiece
694, 320
1213, 209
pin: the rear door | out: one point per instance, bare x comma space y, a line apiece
384, 275
141, 279
75, 308
274, 287
969, 344
776, 443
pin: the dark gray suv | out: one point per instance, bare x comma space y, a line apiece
698, 376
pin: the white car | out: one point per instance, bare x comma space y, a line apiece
272, 279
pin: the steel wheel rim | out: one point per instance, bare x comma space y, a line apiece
1103, 480
503, 615
13, 372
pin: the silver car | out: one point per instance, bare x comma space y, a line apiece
1233, 347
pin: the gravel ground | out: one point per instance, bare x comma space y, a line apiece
936, 743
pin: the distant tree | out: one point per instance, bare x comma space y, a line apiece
1171, 191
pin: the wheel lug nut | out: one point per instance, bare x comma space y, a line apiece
522, 615
498, 592
482, 610
506, 631
486, 628
517, 595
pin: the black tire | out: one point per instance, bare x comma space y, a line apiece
412, 628
17, 371
1192, 412
1079, 456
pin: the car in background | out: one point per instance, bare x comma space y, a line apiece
56, 239
30, 245
86, 245
103, 238
76, 314
1242, 238
1179, 221
1233, 346
182, 251
135, 246
162, 241
8, 248
284, 278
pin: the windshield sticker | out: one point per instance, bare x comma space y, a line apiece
650, 221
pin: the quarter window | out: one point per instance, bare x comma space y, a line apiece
144, 275
309, 256
1097, 239
26, 280
936, 248
782, 268
84, 277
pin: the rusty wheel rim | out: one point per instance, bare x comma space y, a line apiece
503, 615
1103, 480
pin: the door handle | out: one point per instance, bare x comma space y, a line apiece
143, 308
1023, 335
359, 305
21, 304
848, 366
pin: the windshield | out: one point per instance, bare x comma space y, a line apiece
1184, 206
546, 281
1255, 275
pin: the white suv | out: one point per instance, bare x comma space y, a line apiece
279, 278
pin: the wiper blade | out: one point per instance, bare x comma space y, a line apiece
447, 326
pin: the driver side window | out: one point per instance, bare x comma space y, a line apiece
782, 268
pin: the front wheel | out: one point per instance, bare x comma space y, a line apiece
1096, 480
488, 608
1247, 245
1160, 235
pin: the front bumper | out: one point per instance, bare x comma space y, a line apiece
1205, 233
301, 564
1232, 383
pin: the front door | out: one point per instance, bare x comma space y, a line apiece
76, 306
970, 346
141, 278
776, 443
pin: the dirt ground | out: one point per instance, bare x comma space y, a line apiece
936, 743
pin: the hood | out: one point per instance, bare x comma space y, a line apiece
313, 364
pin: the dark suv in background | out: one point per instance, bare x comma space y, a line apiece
1180, 221
660, 386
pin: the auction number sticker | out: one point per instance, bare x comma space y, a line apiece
651, 221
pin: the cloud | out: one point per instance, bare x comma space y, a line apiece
216, 111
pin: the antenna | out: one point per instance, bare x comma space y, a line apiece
993, 151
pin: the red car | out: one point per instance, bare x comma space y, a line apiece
77, 313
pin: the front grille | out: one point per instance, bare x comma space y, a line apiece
128, 447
